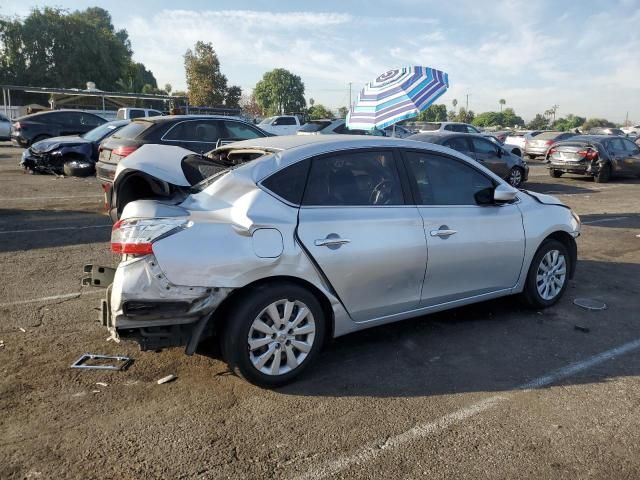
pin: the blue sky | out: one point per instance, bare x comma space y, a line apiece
581, 55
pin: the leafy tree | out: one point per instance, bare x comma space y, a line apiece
342, 112
434, 113
507, 118
539, 122
597, 122
510, 119
206, 83
280, 91
234, 93
250, 106
312, 102
54, 47
454, 102
464, 116
570, 122
319, 111
502, 103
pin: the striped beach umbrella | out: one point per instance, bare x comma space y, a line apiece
395, 96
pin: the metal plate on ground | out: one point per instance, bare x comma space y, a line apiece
102, 362
590, 304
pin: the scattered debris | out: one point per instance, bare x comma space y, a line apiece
23, 330
581, 328
95, 391
1, 343
167, 379
590, 304
118, 362
79, 394
102, 384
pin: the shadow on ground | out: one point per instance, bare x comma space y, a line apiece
612, 220
490, 346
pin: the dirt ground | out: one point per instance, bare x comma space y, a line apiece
487, 391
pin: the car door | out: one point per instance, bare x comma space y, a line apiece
490, 155
472, 249
364, 235
199, 135
70, 123
632, 159
618, 154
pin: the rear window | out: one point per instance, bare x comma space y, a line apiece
289, 182
548, 135
133, 130
431, 126
314, 126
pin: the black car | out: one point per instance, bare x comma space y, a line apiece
30, 129
486, 152
71, 155
599, 156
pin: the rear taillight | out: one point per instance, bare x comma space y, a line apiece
136, 236
588, 154
124, 151
549, 142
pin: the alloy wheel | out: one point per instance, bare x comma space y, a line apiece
551, 274
281, 337
515, 177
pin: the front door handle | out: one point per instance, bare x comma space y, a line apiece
332, 241
443, 233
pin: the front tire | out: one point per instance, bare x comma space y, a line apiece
604, 174
79, 168
273, 333
548, 275
555, 173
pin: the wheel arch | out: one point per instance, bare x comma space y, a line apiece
240, 293
570, 243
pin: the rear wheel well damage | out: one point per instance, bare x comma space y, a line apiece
137, 186
218, 318
568, 241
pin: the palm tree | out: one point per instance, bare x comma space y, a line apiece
454, 102
502, 101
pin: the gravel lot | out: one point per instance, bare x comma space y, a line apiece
487, 391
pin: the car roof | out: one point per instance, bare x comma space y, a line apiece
443, 135
589, 138
46, 112
118, 123
169, 118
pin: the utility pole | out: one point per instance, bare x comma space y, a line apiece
467, 108
350, 106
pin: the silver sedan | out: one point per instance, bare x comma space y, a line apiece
308, 238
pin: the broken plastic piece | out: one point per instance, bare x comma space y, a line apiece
590, 304
119, 362
167, 379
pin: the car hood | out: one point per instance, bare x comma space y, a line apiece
545, 199
53, 143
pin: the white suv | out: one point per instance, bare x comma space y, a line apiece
449, 127
131, 113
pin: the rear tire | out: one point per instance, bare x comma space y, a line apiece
604, 174
555, 173
548, 275
79, 168
266, 351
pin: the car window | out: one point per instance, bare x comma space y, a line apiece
289, 182
445, 181
154, 113
206, 131
615, 145
240, 131
91, 120
450, 128
285, 121
136, 113
315, 126
355, 179
471, 129
484, 147
431, 126
459, 144
341, 128
629, 146
133, 130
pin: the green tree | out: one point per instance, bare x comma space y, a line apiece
54, 47
510, 119
319, 111
539, 122
280, 91
234, 93
568, 123
464, 116
597, 122
168, 88
342, 112
207, 85
434, 113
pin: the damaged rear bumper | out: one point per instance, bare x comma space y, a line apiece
141, 304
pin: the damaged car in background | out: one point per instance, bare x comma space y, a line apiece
273, 246
69, 155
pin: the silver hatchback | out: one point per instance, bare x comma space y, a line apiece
309, 238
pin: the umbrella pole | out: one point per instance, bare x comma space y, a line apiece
394, 131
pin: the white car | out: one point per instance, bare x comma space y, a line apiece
448, 127
131, 113
281, 125
397, 132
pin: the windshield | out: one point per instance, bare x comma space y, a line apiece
267, 120
431, 126
132, 130
100, 132
314, 126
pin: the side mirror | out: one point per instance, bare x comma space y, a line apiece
504, 193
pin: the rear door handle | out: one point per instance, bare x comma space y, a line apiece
443, 233
329, 242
